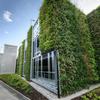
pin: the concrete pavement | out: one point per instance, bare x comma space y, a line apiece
6, 93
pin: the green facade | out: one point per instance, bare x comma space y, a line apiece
20, 60
64, 28
28, 54
22, 57
94, 24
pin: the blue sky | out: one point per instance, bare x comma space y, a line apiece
16, 16
15, 19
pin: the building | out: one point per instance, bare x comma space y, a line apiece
8, 59
58, 53
44, 66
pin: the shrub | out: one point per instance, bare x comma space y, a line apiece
16, 81
93, 95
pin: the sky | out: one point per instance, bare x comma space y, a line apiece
16, 17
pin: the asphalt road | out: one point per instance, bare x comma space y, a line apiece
6, 95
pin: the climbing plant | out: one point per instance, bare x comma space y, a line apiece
64, 28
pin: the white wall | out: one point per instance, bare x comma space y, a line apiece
8, 60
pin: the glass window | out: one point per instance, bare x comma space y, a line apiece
38, 42
33, 49
45, 66
36, 45
51, 74
35, 41
39, 67
33, 68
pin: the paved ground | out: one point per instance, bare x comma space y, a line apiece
52, 96
6, 95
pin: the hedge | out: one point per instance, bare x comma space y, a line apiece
64, 28
94, 24
28, 54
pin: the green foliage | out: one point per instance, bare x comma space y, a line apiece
20, 60
28, 55
22, 56
16, 81
16, 70
64, 28
94, 24
86, 46
93, 95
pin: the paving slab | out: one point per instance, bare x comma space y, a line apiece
52, 96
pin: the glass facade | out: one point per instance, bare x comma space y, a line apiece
43, 66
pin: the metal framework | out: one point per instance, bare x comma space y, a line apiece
43, 67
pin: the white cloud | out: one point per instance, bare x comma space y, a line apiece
86, 5
7, 15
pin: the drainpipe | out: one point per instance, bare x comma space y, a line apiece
58, 76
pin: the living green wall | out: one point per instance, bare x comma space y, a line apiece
18, 60
28, 55
16, 70
94, 25
64, 28
21, 62
22, 57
